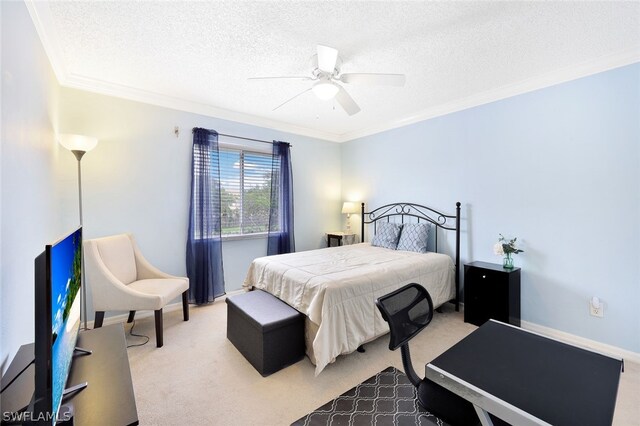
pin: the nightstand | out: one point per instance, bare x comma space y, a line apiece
490, 291
340, 238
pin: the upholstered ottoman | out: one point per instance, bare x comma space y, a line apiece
267, 331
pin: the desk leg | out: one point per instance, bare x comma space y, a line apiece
483, 416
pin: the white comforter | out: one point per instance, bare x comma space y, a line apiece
336, 288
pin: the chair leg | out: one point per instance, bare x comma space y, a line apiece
97, 322
185, 306
159, 342
132, 314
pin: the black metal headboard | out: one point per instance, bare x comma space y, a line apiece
421, 213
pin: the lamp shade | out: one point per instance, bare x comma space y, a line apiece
77, 142
325, 90
349, 207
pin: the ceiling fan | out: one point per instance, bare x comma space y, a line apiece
327, 77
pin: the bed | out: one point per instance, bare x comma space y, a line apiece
335, 288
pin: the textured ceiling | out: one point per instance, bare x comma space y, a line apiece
203, 52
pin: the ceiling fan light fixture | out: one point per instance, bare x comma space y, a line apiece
325, 90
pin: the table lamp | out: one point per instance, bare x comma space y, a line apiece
348, 208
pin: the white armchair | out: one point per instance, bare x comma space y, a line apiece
121, 279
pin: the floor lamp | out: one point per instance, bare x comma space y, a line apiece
80, 145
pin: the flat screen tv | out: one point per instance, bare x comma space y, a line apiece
58, 278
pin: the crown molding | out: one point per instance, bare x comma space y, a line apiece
120, 91
42, 20
545, 80
552, 78
41, 16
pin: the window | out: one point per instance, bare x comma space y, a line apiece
245, 191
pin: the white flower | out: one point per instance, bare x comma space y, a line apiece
506, 247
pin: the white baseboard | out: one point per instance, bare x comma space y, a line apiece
139, 314
145, 314
537, 328
582, 341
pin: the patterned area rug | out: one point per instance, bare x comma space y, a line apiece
388, 398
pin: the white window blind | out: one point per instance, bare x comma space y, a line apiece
205, 203
245, 191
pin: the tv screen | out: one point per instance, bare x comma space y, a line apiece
58, 282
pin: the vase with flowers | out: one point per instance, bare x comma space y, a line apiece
506, 248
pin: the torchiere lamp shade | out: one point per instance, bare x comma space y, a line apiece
77, 142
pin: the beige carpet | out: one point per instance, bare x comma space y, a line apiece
199, 378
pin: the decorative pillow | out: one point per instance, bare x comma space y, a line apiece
387, 235
414, 237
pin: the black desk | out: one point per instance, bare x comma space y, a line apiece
528, 379
109, 397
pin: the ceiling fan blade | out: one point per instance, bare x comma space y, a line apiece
327, 57
293, 77
374, 79
346, 102
289, 100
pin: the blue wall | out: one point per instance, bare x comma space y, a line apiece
559, 168
138, 180
28, 166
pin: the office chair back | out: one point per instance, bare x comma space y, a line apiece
408, 311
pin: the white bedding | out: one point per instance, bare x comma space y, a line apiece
336, 288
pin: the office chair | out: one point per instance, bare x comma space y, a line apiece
408, 311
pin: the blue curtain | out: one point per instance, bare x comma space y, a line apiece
281, 239
204, 242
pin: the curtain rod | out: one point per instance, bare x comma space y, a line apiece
248, 139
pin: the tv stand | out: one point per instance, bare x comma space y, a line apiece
108, 401
74, 389
81, 351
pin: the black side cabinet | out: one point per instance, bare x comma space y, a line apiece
490, 291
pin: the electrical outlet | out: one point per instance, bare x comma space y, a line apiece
596, 311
